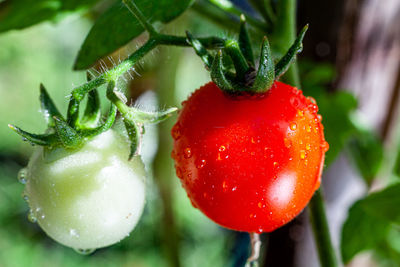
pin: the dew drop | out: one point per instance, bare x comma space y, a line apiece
308, 146
302, 154
319, 117
308, 129
276, 164
74, 233
234, 188
179, 172
25, 197
201, 164
222, 148
300, 113
85, 251
260, 230
312, 99
31, 217
295, 102
193, 204
224, 185
187, 153
293, 126
22, 175
173, 154
260, 205
287, 143
176, 131
325, 146
306, 162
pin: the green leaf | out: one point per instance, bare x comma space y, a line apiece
284, 63
361, 232
117, 26
92, 113
336, 110
369, 222
245, 42
266, 70
68, 136
200, 50
134, 136
366, 151
384, 204
48, 107
104, 126
24, 13
36, 139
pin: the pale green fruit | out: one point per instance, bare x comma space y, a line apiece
87, 198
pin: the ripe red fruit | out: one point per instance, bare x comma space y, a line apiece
250, 163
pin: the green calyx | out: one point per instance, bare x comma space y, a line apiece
233, 69
72, 132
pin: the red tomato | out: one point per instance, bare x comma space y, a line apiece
250, 163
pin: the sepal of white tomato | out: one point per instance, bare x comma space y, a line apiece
86, 198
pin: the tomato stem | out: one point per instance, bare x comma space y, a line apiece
320, 228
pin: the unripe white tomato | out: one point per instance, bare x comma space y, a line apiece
87, 198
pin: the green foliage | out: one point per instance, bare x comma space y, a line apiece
119, 23
24, 13
341, 126
372, 224
361, 232
366, 151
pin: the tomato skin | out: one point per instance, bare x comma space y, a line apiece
250, 163
87, 198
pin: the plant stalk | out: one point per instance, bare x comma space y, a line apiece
326, 253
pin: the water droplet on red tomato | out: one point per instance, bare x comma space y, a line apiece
222, 148
300, 113
201, 163
308, 146
193, 204
295, 102
179, 172
319, 117
325, 146
287, 142
176, 131
293, 126
302, 154
224, 186
312, 99
187, 153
